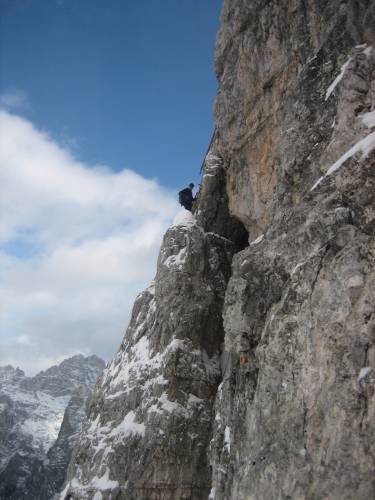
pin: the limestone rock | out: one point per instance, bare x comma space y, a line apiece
295, 409
275, 61
212, 210
150, 418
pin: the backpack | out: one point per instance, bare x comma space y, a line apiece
182, 197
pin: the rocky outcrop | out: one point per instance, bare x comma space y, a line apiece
212, 211
39, 421
256, 381
150, 417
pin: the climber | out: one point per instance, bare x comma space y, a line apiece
185, 197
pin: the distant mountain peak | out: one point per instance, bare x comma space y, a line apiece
9, 372
32, 413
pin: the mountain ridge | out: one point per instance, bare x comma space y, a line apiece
32, 411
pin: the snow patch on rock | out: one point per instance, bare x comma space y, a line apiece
257, 240
128, 427
364, 372
364, 146
104, 483
227, 438
212, 494
184, 218
368, 119
338, 79
176, 261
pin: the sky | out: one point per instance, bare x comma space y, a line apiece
105, 113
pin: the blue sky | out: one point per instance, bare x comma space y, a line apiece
105, 112
122, 83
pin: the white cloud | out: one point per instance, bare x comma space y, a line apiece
23, 340
14, 100
89, 239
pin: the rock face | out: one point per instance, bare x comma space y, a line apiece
39, 419
279, 129
150, 417
295, 410
253, 377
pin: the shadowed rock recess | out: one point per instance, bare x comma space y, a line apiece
248, 369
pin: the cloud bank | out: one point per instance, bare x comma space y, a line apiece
77, 242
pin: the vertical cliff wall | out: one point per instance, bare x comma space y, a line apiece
247, 371
295, 116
